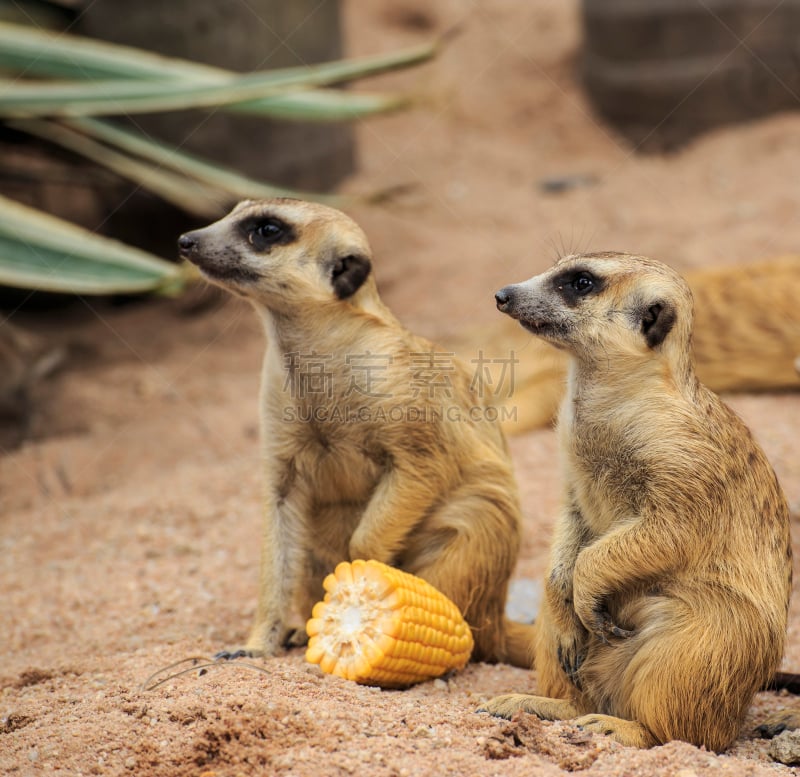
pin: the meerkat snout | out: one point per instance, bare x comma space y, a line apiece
190, 247
510, 300
502, 298
186, 244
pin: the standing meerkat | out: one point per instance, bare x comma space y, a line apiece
376, 446
668, 588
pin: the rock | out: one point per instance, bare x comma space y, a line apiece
786, 747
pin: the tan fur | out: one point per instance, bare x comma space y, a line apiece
666, 599
417, 478
746, 338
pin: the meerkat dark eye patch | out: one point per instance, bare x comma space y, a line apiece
657, 322
573, 284
348, 273
263, 233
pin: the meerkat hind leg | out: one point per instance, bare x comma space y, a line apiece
547, 709
626, 732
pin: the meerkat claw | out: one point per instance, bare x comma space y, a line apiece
231, 655
623, 633
571, 660
604, 627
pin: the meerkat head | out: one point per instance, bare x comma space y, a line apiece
282, 253
598, 306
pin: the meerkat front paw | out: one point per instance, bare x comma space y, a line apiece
594, 615
626, 732
266, 639
507, 705
605, 628
292, 637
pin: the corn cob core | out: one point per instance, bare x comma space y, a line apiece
378, 625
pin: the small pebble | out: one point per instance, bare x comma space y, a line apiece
563, 183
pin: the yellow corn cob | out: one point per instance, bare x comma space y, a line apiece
380, 626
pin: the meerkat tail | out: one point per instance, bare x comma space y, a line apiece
519, 644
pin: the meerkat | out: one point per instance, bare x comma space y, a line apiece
756, 349
377, 445
668, 588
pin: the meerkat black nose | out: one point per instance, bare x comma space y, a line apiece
502, 298
186, 244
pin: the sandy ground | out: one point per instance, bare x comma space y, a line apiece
129, 520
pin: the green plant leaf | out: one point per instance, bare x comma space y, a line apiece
37, 53
175, 175
22, 99
190, 195
42, 252
323, 105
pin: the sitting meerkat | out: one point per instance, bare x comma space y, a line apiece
668, 588
376, 446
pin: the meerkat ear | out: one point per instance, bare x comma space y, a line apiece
657, 322
348, 273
